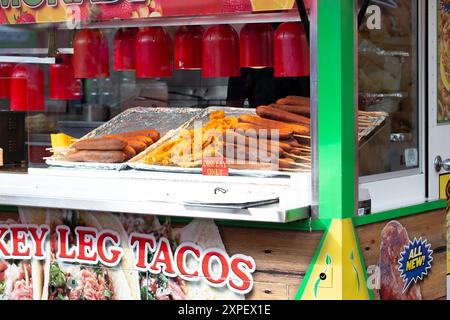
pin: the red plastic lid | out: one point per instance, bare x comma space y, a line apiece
291, 51
27, 88
62, 82
256, 45
221, 52
124, 46
188, 48
91, 54
154, 50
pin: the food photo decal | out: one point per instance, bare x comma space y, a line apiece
106, 248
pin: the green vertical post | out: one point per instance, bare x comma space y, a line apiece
336, 21
337, 270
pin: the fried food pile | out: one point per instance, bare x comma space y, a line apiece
274, 139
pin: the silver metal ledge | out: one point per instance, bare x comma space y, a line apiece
157, 193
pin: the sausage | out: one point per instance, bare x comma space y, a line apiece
130, 152
267, 145
246, 153
100, 144
97, 156
281, 115
255, 131
292, 142
300, 110
137, 145
153, 134
273, 124
295, 100
147, 140
287, 164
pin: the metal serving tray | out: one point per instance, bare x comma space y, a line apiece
138, 163
161, 119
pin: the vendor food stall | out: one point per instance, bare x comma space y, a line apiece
223, 149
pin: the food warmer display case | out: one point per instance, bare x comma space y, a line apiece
299, 127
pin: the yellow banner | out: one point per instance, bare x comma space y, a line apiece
444, 186
268, 5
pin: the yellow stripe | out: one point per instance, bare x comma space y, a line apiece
339, 260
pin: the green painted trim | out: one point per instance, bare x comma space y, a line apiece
312, 224
336, 108
401, 212
307, 276
8, 209
304, 225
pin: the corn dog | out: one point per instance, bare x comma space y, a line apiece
273, 124
281, 115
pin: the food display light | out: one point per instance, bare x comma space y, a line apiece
91, 54
104, 58
5, 79
188, 48
256, 45
27, 88
155, 53
221, 52
62, 82
291, 51
124, 45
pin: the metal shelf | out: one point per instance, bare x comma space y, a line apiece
156, 193
227, 18
384, 53
38, 51
32, 60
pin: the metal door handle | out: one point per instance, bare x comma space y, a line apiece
440, 164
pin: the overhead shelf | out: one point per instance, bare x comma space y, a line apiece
32, 60
227, 18
278, 200
37, 51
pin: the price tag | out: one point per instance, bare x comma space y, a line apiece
214, 167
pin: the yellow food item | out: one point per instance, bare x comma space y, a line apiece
61, 140
188, 149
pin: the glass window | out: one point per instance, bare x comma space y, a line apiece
388, 82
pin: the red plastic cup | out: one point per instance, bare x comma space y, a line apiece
27, 88
291, 51
124, 49
256, 45
188, 48
62, 82
5, 79
221, 52
91, 54
154, 52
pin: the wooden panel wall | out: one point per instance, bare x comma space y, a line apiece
282, 258
432, 226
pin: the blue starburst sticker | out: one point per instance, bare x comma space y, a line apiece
415, 261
